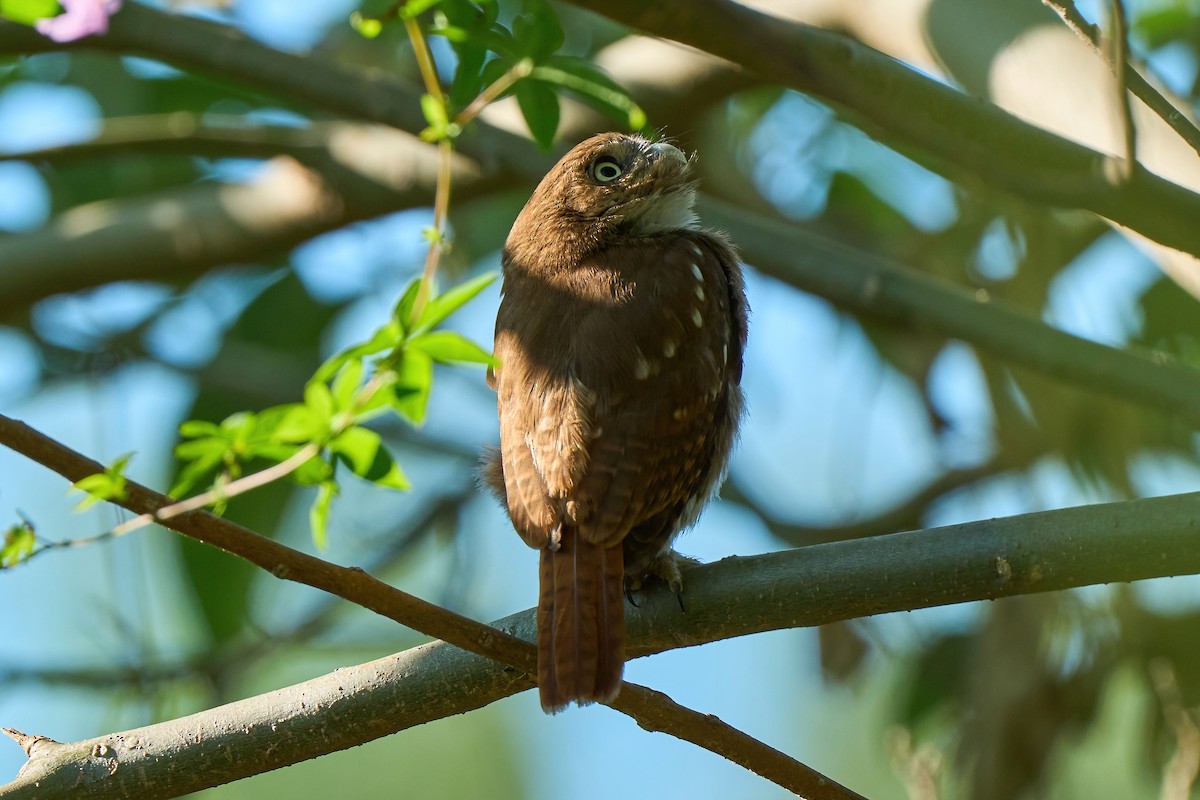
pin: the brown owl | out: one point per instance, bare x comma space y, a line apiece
619, 340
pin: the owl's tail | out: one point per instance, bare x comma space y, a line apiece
581, 623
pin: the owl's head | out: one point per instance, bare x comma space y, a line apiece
611, 186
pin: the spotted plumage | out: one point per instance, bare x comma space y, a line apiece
620, 339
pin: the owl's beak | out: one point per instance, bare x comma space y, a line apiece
669, 166
669, 152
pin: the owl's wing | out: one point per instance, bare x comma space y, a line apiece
664, 368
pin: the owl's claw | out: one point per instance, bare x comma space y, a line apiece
666, 568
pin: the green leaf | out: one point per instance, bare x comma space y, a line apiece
19, 542
27, 12
414, 8
404, 306
318, 513
346, 385
298, 425
201, 448
414, 378
537, 31
442, 306
539, 106
319, 400
590, 84
107, 485
197, 472
434, 111
438, 117
384, 338
194, 428
448, 347
468, 75
315, 470
362, 450
364, 26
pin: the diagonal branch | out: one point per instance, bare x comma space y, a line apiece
1038, 552
872, 285
960, 136
182, 773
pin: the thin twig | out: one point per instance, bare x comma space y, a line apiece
493, 91
1120, 56
218, 494
654, 710
441, 203
1139, 86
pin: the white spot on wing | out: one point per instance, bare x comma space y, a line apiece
669, 348
696, 249
699, 293
697, 320
696, 271
641, 367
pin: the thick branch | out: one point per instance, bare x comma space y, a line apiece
652, 710
872, 285
965, 136
816, 585
216, 49
352, 172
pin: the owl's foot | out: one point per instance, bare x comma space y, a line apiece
665, 567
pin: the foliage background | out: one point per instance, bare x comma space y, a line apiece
855, 427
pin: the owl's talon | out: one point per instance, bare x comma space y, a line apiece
666, 568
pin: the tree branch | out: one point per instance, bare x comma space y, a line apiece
1038, 552
963, 137
1142, 88
351, 172
96, 239
93, 771
868, 284
209, 47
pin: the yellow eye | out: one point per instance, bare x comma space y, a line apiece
606, 169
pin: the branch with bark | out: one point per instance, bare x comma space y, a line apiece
55, 766
1037, 552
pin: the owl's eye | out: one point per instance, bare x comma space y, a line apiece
606, 169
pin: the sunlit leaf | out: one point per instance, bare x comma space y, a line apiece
107, 485
442, 306
19, 541
414, 378
346, 385
362, 450
414, 8
319, 400
27, 12
318, 513
364, 26
198, 427
384, 338
590, 84
402, 313
448, 347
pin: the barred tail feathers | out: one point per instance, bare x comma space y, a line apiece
581, 623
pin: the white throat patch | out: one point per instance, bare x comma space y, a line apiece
669, 212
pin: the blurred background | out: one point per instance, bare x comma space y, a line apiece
856, 427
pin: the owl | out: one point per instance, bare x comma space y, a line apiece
619, 344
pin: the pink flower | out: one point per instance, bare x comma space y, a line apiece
81, 18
